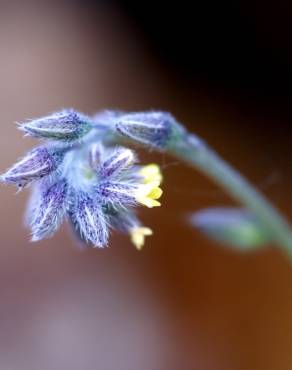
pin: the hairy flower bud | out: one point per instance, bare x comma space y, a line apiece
66, 125
49, 210
235, 227
117, 193
89, 219
38, 163
154, 129
120, 160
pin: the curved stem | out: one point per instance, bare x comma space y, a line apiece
195, 152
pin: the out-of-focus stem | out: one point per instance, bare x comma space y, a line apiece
199, 155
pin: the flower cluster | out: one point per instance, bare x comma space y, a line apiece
84, 172
81, 175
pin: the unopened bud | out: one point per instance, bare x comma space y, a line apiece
66, 125
120, 160
153, 129
38, 163
49, 210
235, 227
89, 219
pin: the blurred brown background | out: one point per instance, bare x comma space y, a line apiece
183, 302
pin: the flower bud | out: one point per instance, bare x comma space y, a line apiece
49, 210
89, 219
38, 163
66, 125
117, 193
154, 129
235, 227
120, 160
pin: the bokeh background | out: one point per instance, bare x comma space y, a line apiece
224, 69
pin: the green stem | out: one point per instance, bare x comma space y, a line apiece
195, 152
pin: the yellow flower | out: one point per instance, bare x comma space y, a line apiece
138, 235
147, 194
151, 173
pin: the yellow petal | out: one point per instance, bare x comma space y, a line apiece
155, 203
155, 193
138, 236
147, 194
150, 169
150, 203
151, 173
144, 189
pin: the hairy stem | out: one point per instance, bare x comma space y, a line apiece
195, 152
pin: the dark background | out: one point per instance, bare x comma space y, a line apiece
236, 48
224, 70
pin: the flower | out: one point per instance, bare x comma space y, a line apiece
127, 222
149, 191
125, 188
147, 194
117, 187
126, 191
138, 236
93, 183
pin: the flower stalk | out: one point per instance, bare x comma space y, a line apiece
200, 156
